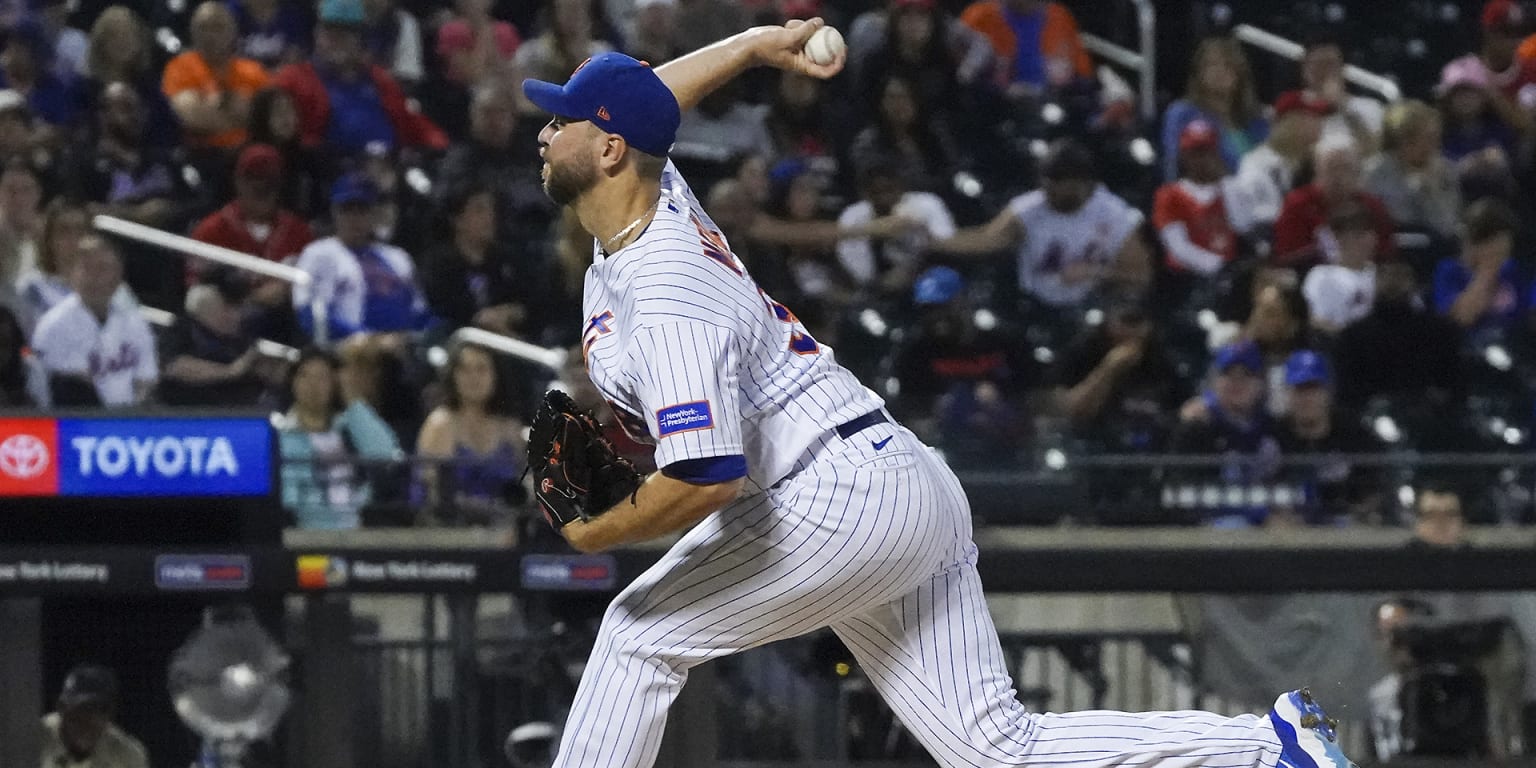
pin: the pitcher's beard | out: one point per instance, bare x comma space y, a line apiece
564, 184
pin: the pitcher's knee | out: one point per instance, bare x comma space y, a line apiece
626, 641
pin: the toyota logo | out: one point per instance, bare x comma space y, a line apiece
23, 457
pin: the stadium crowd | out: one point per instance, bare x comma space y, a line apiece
969, 215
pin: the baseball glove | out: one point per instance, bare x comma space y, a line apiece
577, 475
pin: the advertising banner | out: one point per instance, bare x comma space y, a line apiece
135, 457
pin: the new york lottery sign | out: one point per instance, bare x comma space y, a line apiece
135, 457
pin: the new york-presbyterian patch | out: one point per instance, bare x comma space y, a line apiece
684, 417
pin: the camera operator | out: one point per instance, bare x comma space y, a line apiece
1385, 695
81, 734
1438, 521
1457, 669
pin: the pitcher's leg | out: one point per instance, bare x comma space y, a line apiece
774, 566
633, 674
935, 657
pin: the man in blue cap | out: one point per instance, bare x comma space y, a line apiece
365, 285
1333, 492
801, 504
1233, 425
961, 382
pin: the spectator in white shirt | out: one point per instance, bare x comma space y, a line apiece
888, 267
1266, 174
89, 339
1344, 289
1071, 238
364, 285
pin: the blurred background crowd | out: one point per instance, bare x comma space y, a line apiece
1278, 272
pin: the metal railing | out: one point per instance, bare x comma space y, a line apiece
1381, 85
163, 319
1144, 62
551, 358
244, 262
554, 359
1085, 489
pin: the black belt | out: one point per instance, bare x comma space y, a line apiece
851, 428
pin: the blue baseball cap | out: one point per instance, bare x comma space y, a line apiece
1244, 353
937, 285
354, 189
1306, 367
618, 94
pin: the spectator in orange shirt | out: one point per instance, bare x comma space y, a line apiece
1191, 214
210, 88
1037, 42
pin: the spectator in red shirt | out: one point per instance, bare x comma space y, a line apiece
1191, 214
1302, 238
374, 109
255, 223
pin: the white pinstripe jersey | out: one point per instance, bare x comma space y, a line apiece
694, 357
1064, 255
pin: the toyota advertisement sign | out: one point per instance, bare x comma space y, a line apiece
136, 457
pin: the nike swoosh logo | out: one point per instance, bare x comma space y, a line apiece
880, 444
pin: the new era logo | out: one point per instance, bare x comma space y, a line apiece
602, 113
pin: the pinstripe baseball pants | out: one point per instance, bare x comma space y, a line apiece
874, 540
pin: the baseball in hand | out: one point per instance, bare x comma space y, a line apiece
824, 46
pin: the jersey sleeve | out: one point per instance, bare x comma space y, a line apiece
1024, 205
855, 253
1322, 296
319, 260
929, 209
1167, 206
685, 375
57, 349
